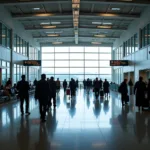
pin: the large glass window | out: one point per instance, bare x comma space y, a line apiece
76, 62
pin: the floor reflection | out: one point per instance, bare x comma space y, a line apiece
81, 122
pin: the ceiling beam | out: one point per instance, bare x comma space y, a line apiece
70, 38
69, 15
46, 44
115, 2
71, 29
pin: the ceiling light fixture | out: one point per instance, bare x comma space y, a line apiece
75, 6
53, 35
48, 27
75, 1
96, 43
116, 9
37, 8
45, 23
104, 27
55, 22
55, 43
100, 35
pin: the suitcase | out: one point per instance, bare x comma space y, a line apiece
101, 93
68, 91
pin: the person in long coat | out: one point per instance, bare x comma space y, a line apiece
123, 89
139, 91
148, 90
42, 94
106, 87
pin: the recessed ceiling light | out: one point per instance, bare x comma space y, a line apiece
37, 8
3, 36
100, 35
104, 27
75, 1
53, 35
45, 23
75, 6
55, 22
96, 43
107, 23
96, 22
115, 9
55, 43
48, 27
54, 32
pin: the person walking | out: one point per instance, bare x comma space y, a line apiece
148, 90
58, 85
72, 86
131, 86
96, 87
52, 85
106, 87
42, 94
139, 91
23, 90
65, 85
123, 89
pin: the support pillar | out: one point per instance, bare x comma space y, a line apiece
11, 56
28, 59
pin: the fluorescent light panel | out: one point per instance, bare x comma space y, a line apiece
53, 35
37, 8
104, 23
115, 9
55, 43
96, 43
48, 27
104, 27
100, 35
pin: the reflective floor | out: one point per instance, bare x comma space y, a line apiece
81, 124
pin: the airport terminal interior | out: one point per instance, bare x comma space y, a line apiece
79, 39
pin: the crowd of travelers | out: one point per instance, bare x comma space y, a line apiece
46, 90
141, 91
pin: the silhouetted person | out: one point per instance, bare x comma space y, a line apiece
96, 87
130, 83
58, 85
52, 85
23, 90
42, 94
148, 90
88, 85
123, 89
65, 85
77, 83
72, 86
139, 91
106, 87
35, 82
9, 82
84, 83
100, 83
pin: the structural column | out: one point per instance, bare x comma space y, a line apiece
11, 56
28, 59
40, 58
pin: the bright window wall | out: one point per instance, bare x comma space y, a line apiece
76, 62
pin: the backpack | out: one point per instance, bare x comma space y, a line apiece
120, 88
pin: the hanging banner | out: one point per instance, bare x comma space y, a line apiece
32, 62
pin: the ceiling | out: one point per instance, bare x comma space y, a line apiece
87, 22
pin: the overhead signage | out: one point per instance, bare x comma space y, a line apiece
32, 62
119, 62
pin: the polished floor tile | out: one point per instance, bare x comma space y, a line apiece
80, 123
